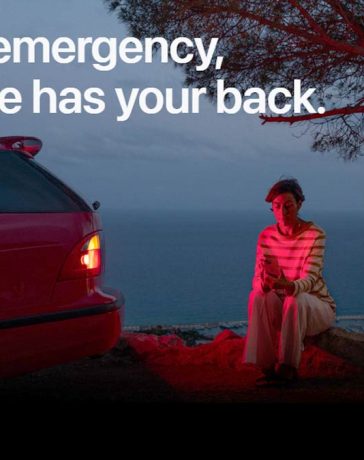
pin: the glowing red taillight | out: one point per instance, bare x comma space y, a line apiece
91, 257
84, 260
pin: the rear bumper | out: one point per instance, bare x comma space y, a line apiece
31, 343
119, 302
62, 315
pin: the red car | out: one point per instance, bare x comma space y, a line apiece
53, 308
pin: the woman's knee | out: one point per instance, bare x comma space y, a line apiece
256, 300
259, 300
295, 302
259, 296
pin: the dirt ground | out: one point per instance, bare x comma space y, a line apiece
173, 373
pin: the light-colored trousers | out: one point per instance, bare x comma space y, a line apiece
278, 327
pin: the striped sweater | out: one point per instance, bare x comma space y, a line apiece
299, 257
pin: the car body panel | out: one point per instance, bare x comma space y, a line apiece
33, 249
36, 346
48, 315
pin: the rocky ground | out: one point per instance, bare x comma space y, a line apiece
152, 368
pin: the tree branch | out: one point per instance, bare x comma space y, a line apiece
309, 19
357, 28
290, 29
312, 116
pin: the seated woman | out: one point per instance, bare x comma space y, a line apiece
289, 299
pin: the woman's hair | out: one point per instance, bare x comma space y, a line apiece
286, 186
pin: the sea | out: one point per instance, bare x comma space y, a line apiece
187, 267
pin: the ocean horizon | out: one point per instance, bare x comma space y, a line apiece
183, 267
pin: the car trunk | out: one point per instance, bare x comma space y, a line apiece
33, 249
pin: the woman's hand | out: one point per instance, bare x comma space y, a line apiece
281, 282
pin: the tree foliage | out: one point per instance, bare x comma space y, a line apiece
269, 43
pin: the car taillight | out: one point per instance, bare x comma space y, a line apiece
84, 260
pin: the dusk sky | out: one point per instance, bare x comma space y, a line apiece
200, 161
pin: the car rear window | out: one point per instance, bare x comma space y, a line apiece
25, 186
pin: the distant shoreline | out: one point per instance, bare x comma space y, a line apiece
351, 323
